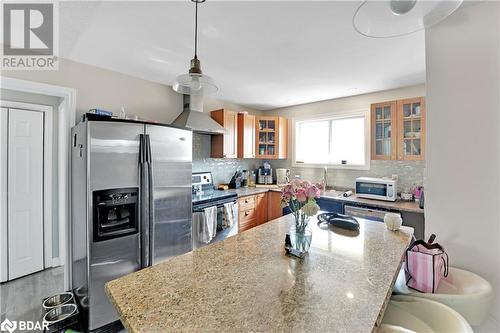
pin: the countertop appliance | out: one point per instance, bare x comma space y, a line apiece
367, 213
130, 204
282, 176
265, 176
377, 188
204, 195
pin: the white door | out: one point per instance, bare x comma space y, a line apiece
25, 192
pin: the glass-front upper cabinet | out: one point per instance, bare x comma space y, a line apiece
271, 137
398, 129
384, 129
411, 136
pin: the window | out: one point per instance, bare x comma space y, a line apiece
337, 141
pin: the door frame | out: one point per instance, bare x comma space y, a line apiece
48, 193
66, 114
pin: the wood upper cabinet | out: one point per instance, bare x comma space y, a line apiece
384, 130
271, 137
246, 135
398, 130
225, 145
411, 125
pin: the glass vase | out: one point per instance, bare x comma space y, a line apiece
300, 239
300, 234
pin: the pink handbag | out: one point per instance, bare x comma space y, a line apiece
426, 265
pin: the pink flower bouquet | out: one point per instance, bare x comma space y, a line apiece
300, 196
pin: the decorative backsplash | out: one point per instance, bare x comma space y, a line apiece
222, 168
410, 173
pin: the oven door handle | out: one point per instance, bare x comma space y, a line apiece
201, 208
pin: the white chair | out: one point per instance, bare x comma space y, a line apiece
466, 292
406, 314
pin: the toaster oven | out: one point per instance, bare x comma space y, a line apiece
377, 188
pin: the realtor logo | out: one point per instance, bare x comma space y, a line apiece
29, 35
28, 29
8, 326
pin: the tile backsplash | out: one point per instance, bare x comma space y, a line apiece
222, 168
410, 172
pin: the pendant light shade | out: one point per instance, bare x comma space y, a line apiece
392, 18
195, 82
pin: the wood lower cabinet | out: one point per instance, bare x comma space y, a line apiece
274, 209
225, 145
255, 210
261, 206
247, 213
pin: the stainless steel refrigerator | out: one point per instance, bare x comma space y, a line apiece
130, 205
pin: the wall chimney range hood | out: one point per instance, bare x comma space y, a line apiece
194, 118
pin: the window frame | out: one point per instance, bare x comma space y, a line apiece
334, 116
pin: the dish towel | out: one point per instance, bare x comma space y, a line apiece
229, 215
207, 224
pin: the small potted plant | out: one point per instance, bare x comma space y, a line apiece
300, 196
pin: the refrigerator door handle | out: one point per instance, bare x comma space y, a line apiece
150, 203
144, 202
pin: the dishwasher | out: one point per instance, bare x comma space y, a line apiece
374, 214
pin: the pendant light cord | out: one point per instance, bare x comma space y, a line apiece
196, 31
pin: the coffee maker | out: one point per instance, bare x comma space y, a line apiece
265, 174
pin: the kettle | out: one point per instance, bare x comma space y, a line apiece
282, 176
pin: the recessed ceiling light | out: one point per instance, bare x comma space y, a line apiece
352, 90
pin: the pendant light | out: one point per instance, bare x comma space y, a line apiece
392, 18
195, 82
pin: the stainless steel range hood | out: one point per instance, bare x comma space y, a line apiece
194, 118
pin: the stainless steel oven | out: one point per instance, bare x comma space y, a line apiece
223, 202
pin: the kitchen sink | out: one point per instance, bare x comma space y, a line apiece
332, 193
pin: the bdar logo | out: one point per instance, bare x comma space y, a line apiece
8, 326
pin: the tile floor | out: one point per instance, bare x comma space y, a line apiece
21, 299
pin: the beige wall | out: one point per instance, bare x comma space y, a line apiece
410, 172
109, 90
359, 102
463, 151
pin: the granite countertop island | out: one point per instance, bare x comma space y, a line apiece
246, 283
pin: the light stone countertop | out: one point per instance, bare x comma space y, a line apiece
246, 283
405, 206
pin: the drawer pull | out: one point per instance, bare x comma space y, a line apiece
246, 200
246, 213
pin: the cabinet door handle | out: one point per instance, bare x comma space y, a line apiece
246, 213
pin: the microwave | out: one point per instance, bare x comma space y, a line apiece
377, 188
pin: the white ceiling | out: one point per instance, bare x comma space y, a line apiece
261, 54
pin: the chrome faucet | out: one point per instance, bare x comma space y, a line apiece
325, 178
